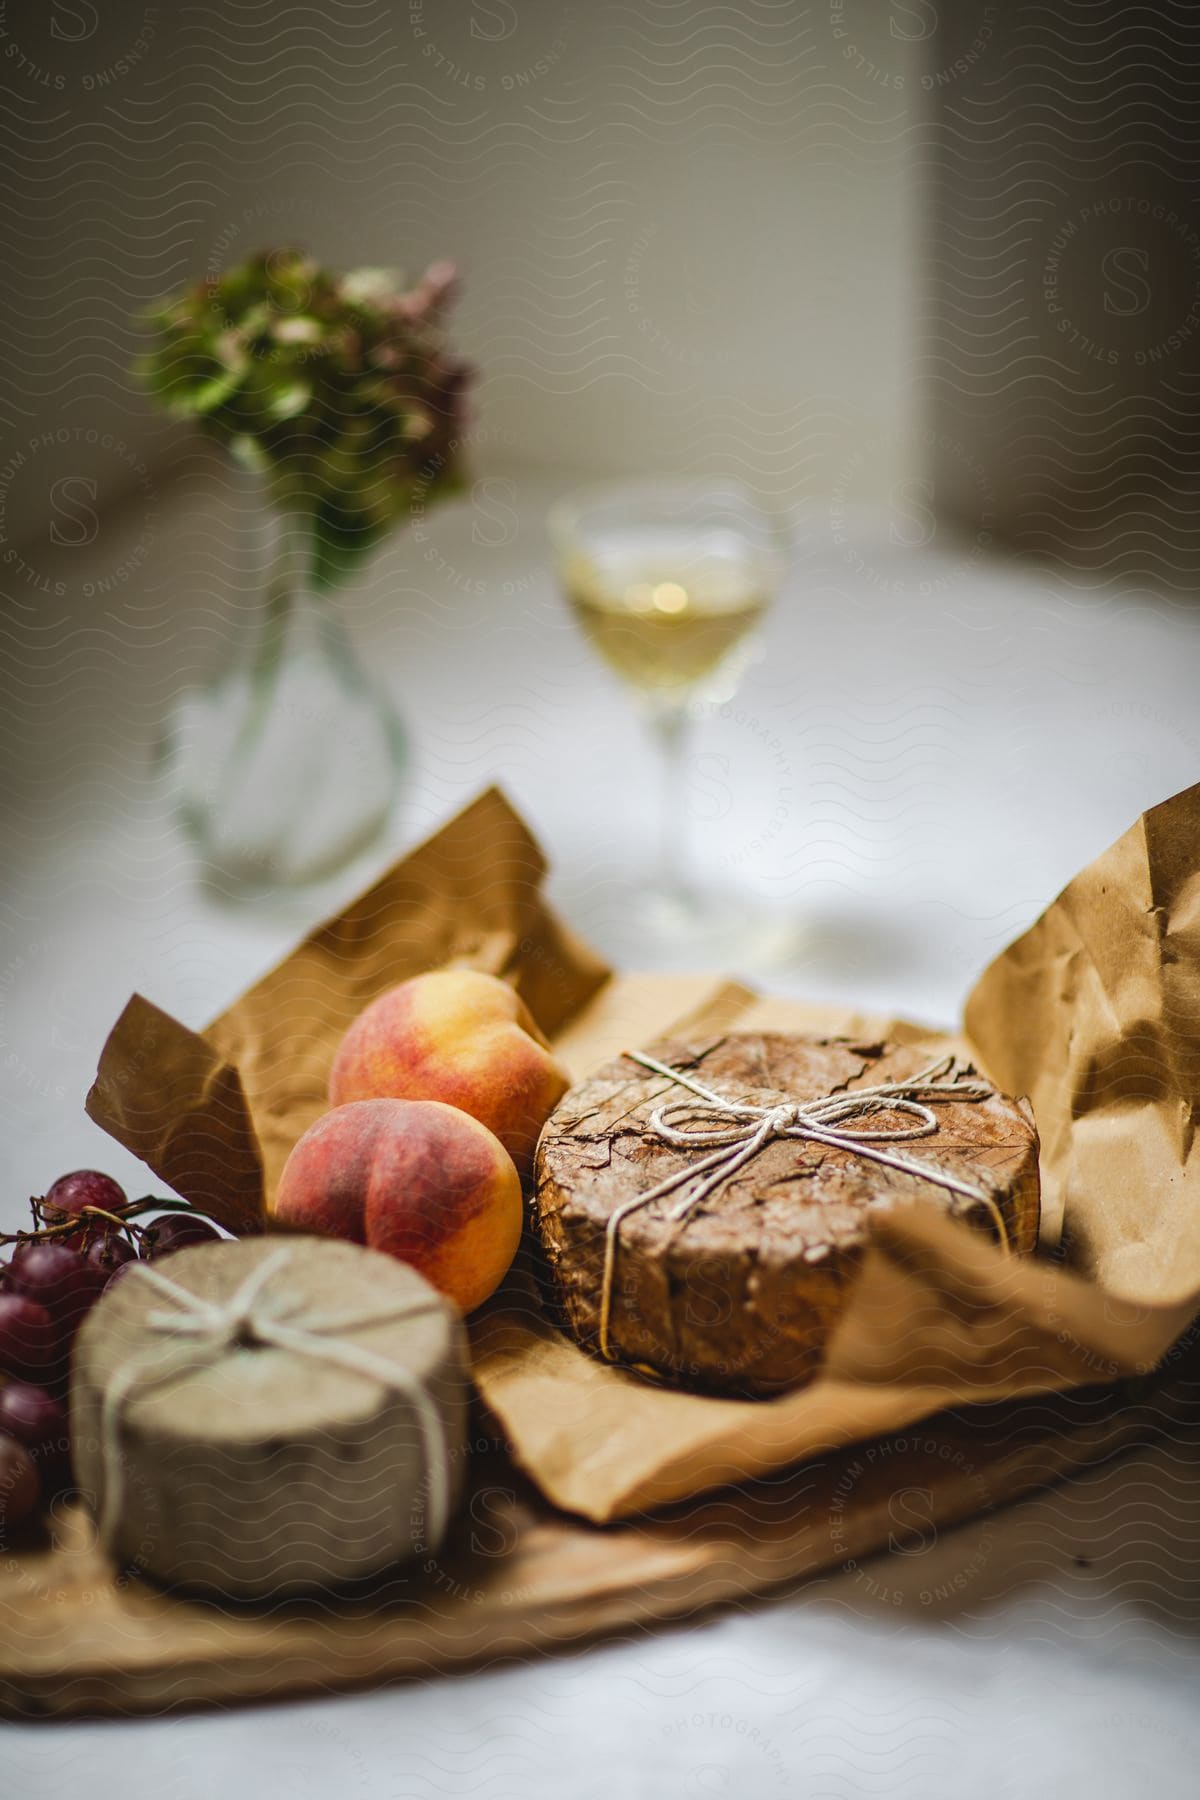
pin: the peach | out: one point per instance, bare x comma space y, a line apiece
420, 1180
458, 1036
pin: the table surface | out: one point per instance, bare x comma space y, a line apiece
929, 746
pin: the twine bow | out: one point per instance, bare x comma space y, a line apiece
211, 1330
737, 1131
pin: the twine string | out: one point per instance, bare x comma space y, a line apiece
736, 1131
205, 1331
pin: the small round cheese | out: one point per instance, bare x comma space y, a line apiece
253, 1469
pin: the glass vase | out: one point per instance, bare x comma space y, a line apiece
287, 760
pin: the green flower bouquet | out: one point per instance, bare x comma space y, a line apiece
337, 389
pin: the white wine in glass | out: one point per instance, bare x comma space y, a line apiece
669, 579
665, 624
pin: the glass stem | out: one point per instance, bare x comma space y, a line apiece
670, 727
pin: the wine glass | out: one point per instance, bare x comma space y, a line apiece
669, 580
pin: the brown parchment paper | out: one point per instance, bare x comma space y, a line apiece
1094, 1013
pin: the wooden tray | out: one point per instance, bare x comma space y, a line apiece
74, 1639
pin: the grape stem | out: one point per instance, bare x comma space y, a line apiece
46, 1234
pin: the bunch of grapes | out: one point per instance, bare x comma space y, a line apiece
84, 1239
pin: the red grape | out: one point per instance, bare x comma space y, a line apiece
30, 1414
30, 1343
19, 1485
109, 1252
176, 1232
58, 1278
84, 1187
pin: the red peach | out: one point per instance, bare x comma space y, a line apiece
420, 1180
461, 1037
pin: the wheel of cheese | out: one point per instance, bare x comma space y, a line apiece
741, 1296
253, 1469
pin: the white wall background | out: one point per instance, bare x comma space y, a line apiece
687, 230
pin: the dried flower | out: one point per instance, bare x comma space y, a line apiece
338, 389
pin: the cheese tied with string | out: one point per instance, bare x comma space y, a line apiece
270, 1416
704, 1207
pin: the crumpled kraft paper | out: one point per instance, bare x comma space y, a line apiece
1094, 1013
